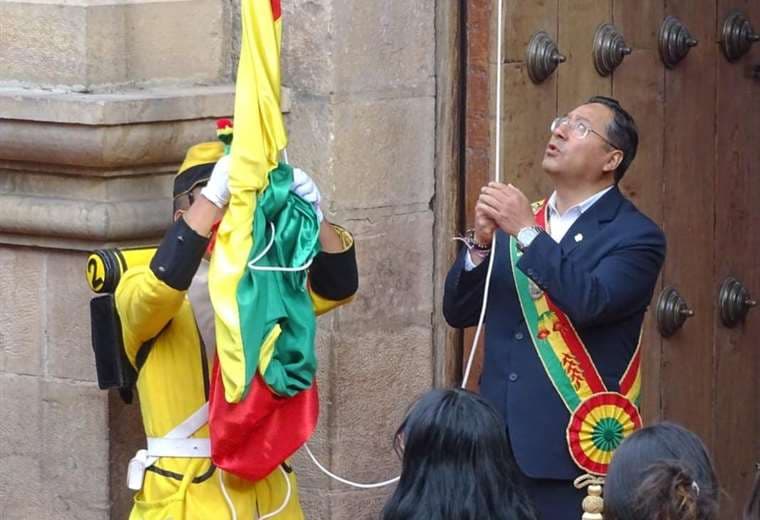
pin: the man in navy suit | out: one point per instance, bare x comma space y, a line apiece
597, 259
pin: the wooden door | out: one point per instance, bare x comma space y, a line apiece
686, 386
697, 173
737, 253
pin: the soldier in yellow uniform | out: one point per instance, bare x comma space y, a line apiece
167, 323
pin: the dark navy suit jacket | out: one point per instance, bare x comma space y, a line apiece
603, 282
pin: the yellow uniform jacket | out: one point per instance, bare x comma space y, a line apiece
173, 381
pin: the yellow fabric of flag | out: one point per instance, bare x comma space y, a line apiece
259, 136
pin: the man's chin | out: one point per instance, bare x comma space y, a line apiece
550, 166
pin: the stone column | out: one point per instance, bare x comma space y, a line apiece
99, 100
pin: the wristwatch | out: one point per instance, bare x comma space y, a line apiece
526, 235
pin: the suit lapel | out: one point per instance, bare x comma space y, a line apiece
590, 222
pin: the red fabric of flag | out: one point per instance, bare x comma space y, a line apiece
251, 438
276, 10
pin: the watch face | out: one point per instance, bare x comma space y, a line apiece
525, 236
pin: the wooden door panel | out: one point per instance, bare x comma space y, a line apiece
528, 112
737, 248
528, 109
639, 84
697, 173
523, 19
687, 357
578, 79
478, 111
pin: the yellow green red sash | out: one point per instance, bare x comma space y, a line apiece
600, 419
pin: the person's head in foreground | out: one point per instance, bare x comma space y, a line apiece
752, 509
457, 463
661, 472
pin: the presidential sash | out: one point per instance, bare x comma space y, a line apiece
599, 419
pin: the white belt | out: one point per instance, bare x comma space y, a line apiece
176, 443
164, 447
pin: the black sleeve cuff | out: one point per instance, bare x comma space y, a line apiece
179, 255
474, 275
334, 276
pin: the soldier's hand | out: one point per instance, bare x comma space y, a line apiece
305, 187
217, 190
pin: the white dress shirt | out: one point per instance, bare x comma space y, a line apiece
558, 223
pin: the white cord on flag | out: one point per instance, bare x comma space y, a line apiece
252, 264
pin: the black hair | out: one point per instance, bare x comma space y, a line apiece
661, 472
621, 132
457, 463
183, 201
752, 509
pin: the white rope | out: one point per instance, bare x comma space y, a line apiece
322, 468
227, 498
274, 513
252, 264
287, 497
471, 358
497, 178
266, 249
346, 481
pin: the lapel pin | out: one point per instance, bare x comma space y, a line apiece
579, 237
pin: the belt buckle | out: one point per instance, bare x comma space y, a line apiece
136, 470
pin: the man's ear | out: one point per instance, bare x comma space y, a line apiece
178, 214
613, 161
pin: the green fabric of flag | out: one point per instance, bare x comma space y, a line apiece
270, 298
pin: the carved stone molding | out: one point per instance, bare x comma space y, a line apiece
79, 171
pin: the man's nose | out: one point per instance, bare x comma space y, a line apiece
561, 131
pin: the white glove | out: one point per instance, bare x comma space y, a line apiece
216, 190
304, 187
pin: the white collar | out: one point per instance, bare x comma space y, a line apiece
581, 207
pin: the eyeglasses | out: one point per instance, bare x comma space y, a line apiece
579, 129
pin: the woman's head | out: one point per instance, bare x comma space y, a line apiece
456, 462
752, 509
661, 472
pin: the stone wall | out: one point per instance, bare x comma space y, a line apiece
362, 119
54, 432
98, 101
